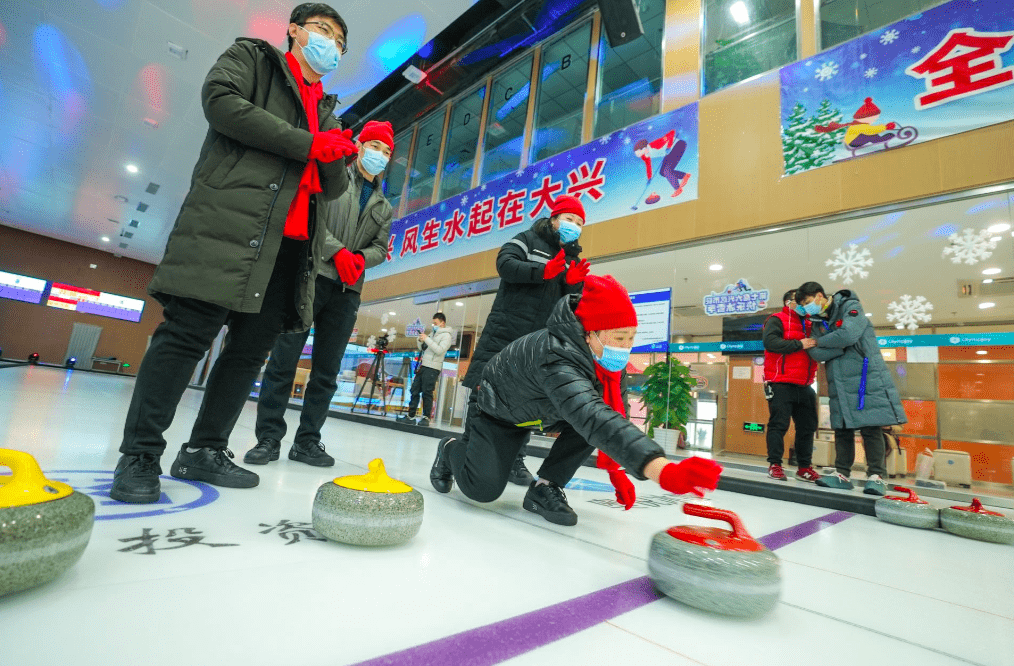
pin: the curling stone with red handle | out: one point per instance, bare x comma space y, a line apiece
716, 570
909, 511
975, 522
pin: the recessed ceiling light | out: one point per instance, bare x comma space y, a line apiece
93, 265
988, 281
982, 352
739, 12
995, 239
999, 228
383, 330
868, 314
132, 168
459, 303
992, 271
392, 313
986, 306
715, 267
105, 239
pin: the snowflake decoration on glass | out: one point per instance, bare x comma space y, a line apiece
889, 37
371, 342
826, 71
970, 246
908, 312
916, 49
871, 72
850, 263
383, 319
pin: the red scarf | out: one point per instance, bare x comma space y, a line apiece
613, 396
297, 221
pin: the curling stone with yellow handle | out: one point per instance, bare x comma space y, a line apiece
368, 510
44, 525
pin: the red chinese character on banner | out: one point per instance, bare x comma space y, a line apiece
430, 234
390, 248
480, 218
410, 243
511, 208
545, 195
454, 228
587, 180
951, 71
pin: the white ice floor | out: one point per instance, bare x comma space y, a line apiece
157, 584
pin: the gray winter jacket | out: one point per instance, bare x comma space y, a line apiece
365, 231
859, 384
436, 347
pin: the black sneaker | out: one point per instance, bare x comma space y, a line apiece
423, 422
405, 418
548, 501
441, 475
136, 479
266, 451
520, 476
311, 454
212, 466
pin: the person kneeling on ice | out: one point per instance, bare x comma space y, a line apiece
565, 378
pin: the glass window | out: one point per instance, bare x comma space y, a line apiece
424, 163
630, 76
842, 20
505, 126
394, 181
563, 84
462, 142
744, 38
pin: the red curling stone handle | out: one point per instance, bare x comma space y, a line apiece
711, 513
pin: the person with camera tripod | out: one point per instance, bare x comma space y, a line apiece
358, 228
432, 349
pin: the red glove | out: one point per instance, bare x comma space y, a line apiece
693, 475
555, 266
332, 145
892, 125
578, 271
350, 266
625, 494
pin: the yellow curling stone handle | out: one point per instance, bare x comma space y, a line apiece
374, 481
27, 485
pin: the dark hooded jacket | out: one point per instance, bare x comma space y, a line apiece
223, 246
524, 299
547, 378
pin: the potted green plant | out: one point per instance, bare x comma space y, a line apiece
666, 396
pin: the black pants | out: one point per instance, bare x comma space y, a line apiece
800, 404
481, 460
423, 384
873, 444
180, 342
334, 316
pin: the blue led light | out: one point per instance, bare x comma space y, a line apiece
397, 44
944, 231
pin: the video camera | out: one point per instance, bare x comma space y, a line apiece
382, 342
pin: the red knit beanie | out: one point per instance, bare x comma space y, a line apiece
605, 304
567, 204
378, 131
867, 110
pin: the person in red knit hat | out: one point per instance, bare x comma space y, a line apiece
863, 130
357, 228
567, 379
536, 268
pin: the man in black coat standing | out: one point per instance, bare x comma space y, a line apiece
537, 267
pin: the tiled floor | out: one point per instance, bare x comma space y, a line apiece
213, 576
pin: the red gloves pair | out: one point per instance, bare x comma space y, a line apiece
576, 272
332, 145
350, 266
693, 475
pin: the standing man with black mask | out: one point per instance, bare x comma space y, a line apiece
244, 250
537, 268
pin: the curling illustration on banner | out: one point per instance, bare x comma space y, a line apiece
671, 150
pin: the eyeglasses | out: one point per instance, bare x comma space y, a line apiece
326, 31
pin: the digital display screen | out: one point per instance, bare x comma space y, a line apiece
21, 288
89, 301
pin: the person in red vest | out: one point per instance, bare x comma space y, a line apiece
788, 378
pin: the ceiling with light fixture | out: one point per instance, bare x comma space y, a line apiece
102, 120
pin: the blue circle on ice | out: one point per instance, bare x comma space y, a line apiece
178, 495
586, 484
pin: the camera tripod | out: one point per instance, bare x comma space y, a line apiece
377, 374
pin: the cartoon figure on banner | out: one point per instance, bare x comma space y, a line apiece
864, 131
671, 150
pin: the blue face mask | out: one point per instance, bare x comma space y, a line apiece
800, 310
613, 359
320, 53
569, 232
812, 309
373, 161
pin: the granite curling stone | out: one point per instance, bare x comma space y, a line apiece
721, 571
44, 525
368, 510
975, 522
909, 511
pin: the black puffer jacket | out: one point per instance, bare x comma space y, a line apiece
524, 300
548, 377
